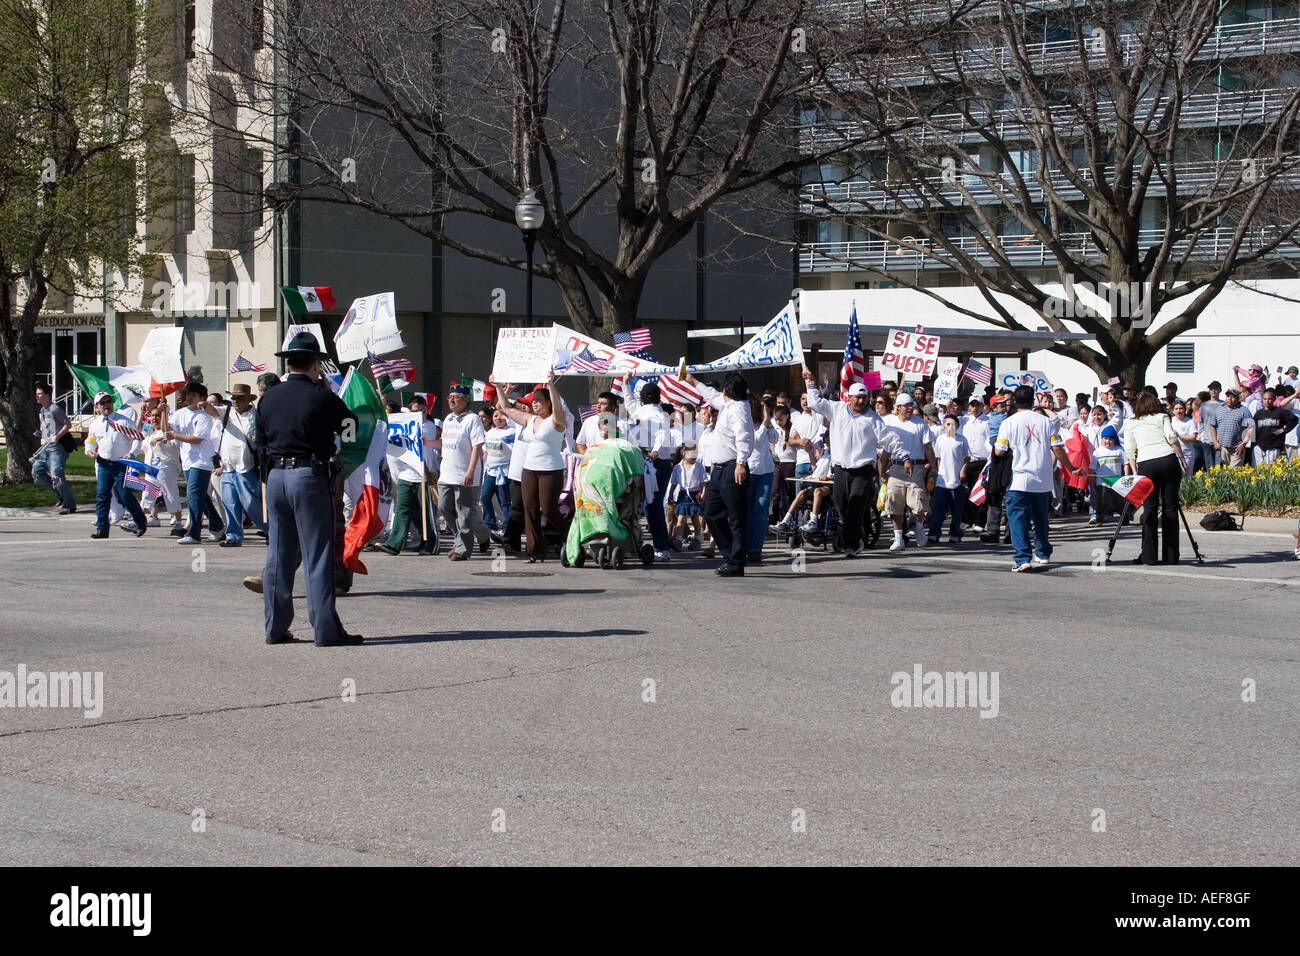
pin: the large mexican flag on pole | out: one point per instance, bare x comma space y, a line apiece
307, 298
1135, 488
129, 383
363, 454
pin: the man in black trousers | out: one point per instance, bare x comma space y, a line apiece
725, 501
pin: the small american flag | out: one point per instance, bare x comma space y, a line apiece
853, 367
978, 373
979, 492
586, 411
125, 429
584, 361
242, 364
677, 391
134, 480
638, 340
393, 368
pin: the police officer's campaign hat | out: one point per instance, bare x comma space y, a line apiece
303, 345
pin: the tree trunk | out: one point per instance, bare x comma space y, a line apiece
18, 403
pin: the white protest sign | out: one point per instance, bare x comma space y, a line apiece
569, 342
369, 327
945, 389
161, 355
910, 353
404, 445
312, 327
1037, 379
524, 354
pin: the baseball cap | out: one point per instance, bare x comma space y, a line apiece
690, 450
857, 388
998, 400
930, 411
975, 400
905, 399
99, 397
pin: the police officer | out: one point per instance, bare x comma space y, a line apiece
296, 424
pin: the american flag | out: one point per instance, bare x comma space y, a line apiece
586, 411
584, 361
242, 364
134, 480
125, 429
978, 373
677, 391
979, 492
638, 340
393, 368
854, 366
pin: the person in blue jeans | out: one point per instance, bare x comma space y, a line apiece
241, 486
195, 429
497, 448
48, 468
1033, 441
111, 436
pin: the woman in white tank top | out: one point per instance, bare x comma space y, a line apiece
543, 476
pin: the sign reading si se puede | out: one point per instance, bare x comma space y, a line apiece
910, 353
1038, 380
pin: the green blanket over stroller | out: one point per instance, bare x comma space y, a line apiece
603, 476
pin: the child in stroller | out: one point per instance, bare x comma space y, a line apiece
607, 494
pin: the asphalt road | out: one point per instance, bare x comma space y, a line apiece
502, 717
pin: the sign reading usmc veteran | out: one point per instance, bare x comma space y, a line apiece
910, 353
524, 354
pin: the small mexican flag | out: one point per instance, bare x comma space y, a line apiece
307, 298
1135, 488
479, 391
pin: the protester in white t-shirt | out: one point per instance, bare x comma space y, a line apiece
411, 494
458, 481
194, 428
1034, 443
953, 454
499, 446
907, 488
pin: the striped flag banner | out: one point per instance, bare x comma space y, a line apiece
307, 298
585, 361
392, 367
854, 365
586, 411
242, 364
1135, 488
978, 372
134, 480
979, 492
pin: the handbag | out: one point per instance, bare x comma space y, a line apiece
216, 458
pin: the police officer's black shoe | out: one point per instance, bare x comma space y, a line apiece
285, 638
343, 640
98, 535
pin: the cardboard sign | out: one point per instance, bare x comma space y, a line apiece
945, 389
161, 355
777, 344
312, 327
524, 355
404, 444
910, 353
370, 327
1015, 379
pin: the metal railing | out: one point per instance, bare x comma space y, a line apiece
965, 189
928, 9
920, 253
1198, 110
1253, 38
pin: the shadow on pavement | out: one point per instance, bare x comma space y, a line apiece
491, 635
475, 592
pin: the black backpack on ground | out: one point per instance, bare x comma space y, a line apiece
1219, 521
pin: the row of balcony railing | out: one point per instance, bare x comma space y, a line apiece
912, 253
1199, 110
961, 189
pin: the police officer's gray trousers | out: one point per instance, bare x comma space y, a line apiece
300, 515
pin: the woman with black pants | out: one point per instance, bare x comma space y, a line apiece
1150, 443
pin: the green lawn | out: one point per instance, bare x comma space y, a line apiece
78, 463
35, 496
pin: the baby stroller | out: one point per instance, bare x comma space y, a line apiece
607, 494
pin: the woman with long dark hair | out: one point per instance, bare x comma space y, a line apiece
543, 474
1151, 445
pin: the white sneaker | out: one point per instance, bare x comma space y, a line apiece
976, 528
1020, 568
1041, 562
898, 545
213, 536
1297, 554
809, 527
663, 557
153, 521
786, 524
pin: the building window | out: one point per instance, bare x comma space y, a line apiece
1180, 358
862, 285
185, 197
191, 23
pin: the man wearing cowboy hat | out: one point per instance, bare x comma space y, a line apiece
295, 426
241, 492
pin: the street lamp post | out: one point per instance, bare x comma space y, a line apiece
529, 216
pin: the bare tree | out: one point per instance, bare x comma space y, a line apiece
77, 110
1133, 150
629, 118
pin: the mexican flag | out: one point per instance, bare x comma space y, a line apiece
1080, 454
362, 454
307, 298
1135, 488
479, 391
430, 399
130, 383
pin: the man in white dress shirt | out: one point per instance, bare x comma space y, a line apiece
110, 445
730, 445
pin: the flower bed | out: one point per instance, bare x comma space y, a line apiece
1266, 489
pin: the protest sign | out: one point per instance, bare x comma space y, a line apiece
910, 353
161, 355
945, 389
569, 342
1038, 380
404, 445
370, 327
775, 345
312, 327
524, 354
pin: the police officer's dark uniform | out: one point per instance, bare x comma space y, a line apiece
296, 425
